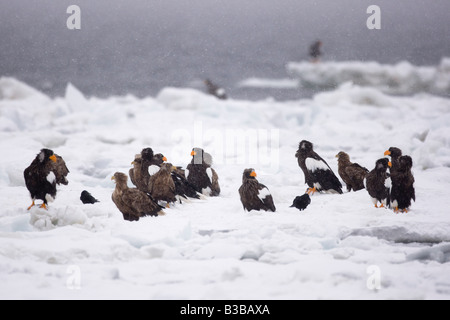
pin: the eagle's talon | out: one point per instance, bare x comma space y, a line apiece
32, 205
311, 191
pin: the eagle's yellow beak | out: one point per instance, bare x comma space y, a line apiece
53, 158
113, 178
387, 153
164, 159
390, 164
193, 153
253, 174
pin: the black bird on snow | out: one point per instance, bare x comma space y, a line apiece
378, 183
351, 173
215, 90
200, 174
318, 174
255, 195
44, 173
402, 191
301, 202
132, 202
87, 198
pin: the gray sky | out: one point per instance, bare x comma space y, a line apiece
151, 43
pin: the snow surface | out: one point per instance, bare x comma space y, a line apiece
401, 78
212, 248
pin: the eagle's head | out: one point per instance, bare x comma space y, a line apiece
304, 147
45, 155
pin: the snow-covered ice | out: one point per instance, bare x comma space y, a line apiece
401, 78
269, 83
211, 248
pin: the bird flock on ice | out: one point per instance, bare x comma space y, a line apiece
159, 184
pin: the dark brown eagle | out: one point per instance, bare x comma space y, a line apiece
254, 195
378, 183
200, 174
43, 174
395, 153
135, 172
351, 173
60, 170
215, 90
145, 165
183, 189
161, 185
131, 202
402, 191
318, 174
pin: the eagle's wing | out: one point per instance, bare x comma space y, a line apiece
266, 197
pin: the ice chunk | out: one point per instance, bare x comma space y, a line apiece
401, 78
13, 89
75, 99
270, 83
439, 253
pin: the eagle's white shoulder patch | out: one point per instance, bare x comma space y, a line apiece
51, 177
313, 164
210, 174
153, 169
263, 193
